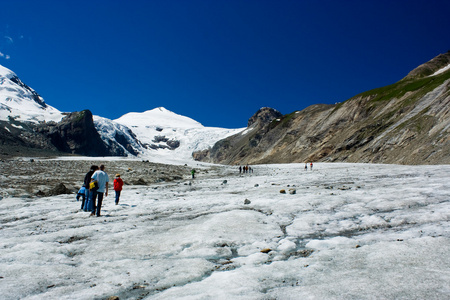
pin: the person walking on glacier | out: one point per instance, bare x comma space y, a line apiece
88, 205
81, 194
102, 180
118, 184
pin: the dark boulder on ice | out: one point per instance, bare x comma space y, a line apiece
139, 181
59, 189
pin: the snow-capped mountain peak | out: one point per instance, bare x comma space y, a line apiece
158, 117
20, 102
158, 134
167, 135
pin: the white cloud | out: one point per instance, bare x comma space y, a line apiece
9, 39
5, 56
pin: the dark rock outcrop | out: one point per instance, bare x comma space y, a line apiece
162, 142
36, 97
76, 134
264, 115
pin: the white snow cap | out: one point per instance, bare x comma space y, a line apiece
5, 72
192, 136
19, 102
159, 116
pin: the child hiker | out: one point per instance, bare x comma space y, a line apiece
118, 183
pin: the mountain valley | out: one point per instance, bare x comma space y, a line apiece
407, 122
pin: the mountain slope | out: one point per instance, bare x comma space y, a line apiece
29, 126
407, 122
20, 102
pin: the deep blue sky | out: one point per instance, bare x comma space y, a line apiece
216, 61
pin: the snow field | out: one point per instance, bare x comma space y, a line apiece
351, 231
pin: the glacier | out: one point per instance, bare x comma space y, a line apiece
351, 231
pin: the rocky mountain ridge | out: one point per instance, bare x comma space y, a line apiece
29, 126
404, 123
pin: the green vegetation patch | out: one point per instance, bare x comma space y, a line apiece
420, 86
283, 121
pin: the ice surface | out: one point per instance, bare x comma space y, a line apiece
352, 231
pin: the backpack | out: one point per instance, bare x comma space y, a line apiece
93, 186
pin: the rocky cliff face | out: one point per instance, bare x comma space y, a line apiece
31, 127
75, 134
406, 123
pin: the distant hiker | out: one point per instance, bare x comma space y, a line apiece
102, 180
311, 165
306, 166
193, 173
118, 183
88, 205
81, 194
240, 169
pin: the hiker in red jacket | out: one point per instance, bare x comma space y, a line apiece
118, 183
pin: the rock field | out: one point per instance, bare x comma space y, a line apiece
30, 177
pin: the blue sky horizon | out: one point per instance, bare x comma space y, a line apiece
216, 62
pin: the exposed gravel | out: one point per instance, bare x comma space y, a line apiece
30, 177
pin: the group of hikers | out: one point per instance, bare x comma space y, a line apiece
245, 169
95, 188
248, 169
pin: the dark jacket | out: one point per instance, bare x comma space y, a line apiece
87, 178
